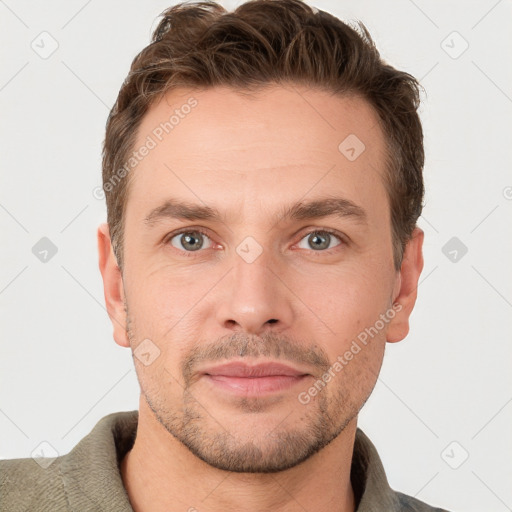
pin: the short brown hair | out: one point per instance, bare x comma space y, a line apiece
265, 42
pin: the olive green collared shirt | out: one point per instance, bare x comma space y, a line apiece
88, 478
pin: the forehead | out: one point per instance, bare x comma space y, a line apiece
263, 147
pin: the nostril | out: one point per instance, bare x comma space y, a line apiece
272, 321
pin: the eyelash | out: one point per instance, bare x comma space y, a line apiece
340, 237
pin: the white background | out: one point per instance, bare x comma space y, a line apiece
450, 380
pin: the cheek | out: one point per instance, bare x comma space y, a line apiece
159, 285
170, 301
163, 300
348, 299
350, 302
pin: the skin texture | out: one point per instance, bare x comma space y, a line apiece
250, 156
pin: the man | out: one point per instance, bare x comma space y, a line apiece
263, 178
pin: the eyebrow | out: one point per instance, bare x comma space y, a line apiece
314, 209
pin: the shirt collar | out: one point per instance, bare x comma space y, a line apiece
91, 471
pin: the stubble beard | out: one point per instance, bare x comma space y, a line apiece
300, 433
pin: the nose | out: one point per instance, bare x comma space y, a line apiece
254, 299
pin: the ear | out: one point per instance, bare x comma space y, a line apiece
406, 287
112, 286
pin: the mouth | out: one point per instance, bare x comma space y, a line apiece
253, 380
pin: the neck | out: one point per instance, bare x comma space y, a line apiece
161, 474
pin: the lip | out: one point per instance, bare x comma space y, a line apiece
253, 380
238, 369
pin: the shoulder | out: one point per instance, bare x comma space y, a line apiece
371, 485
27, 485
86, 478
410, 504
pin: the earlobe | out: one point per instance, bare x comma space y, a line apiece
112, 286
407, 286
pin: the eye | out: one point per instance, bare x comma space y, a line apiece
320, 240
190, 241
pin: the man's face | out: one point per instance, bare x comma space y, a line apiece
257, 286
